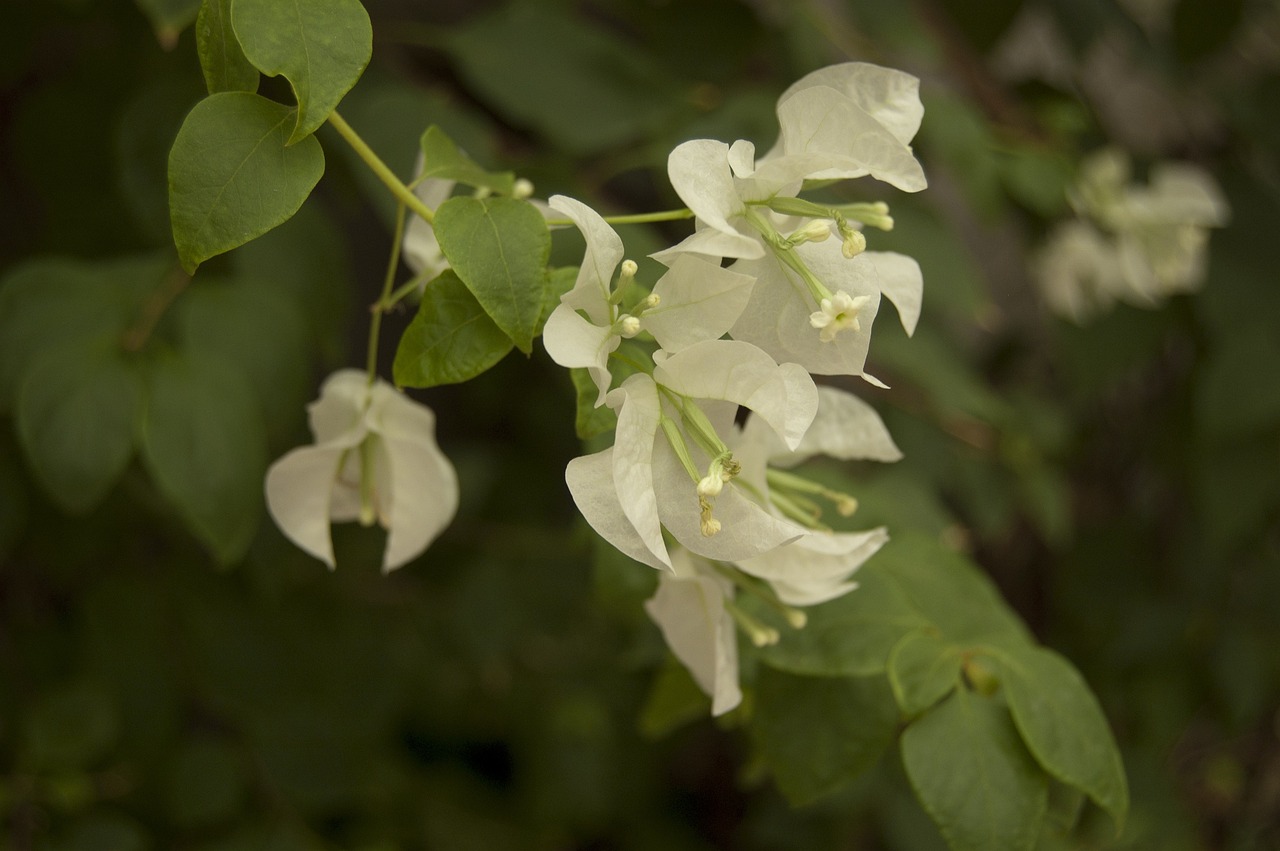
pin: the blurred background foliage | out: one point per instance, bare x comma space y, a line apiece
221, 691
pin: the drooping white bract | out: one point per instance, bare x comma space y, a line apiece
689, 609
640, 486
817, 566
691, 606
696, 300
1133, 243
375, 459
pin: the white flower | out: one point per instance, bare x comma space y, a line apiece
667, 443
375, 459
1133, 243
782, 314
689, 609
695, 300
694, 605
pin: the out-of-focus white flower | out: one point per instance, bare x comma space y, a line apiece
375, 459
670, 469
1134, 243
695, 300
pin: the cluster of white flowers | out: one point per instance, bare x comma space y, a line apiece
770, 289
1132, 243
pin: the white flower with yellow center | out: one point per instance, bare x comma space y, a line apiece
375, 459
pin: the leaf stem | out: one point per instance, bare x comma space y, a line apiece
398, 189
375, 320
136, 336
638, 218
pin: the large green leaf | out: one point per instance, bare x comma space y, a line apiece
225, 67
320, 46
76, 413
974, 777
922, 669
54, 300
202, 441
261, 333
499, 248
1063, 725
818, 733
233, 176
442, 159
450, 340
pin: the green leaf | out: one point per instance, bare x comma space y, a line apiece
441, 159
450, 340
232, 176
922, 670
205, 784
203, 443
851, 635
54, 300
948, 591
76, 413
674, 700
225, 67
499, 248
169, 17
259, 332
320, 46
71, 727
974, 777
818, 733
1063, 725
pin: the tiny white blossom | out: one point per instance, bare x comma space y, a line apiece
837, 313
375, 459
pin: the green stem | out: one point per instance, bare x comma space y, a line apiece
155, 307
375, 320
638, 218
414, 284
398, 189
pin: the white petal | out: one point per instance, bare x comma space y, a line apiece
821, 120
889, 96
817, 567
784, 395
639, 412
690, 612
699, 300
420, 247
417, 493
298, 488
590, 481
900, 280
846, 428
338, 415
777, 319
746, 529
701, 175
1185, 194
572, 341
604, 252
712, 243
